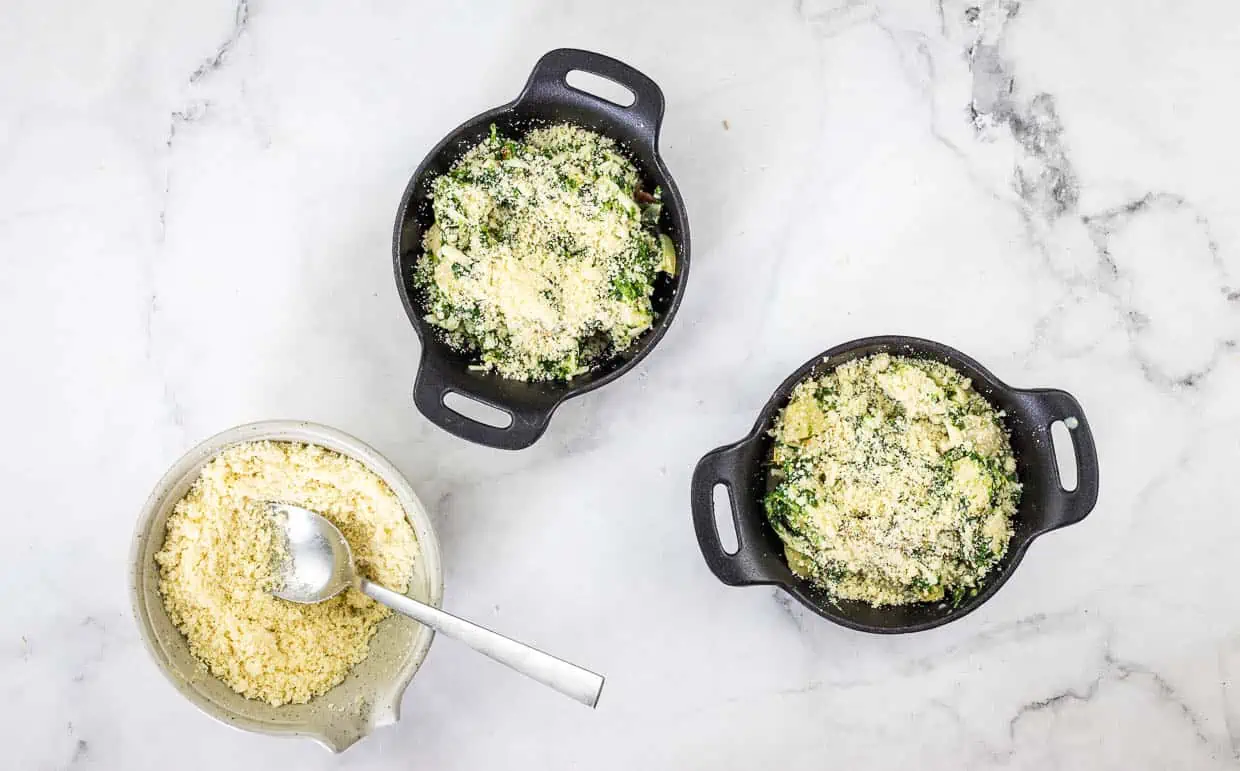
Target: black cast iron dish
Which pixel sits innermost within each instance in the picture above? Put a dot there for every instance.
(547, 98)
(1044, 504)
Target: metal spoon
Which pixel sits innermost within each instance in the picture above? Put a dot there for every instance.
(317, 565)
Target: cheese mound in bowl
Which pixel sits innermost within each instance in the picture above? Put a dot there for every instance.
(893, 482)
(544, 253)
(216, 563)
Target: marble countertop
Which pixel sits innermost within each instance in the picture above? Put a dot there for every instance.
(196, 202)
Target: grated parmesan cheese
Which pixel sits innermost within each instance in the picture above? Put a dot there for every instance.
(895, 482)
(541, 260)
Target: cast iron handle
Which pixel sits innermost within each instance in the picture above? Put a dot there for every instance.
(547, 82)
(1066, 507)
(433, 385)
(726, 466)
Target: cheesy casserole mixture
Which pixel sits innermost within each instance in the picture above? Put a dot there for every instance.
(544, 253)
(893, 482)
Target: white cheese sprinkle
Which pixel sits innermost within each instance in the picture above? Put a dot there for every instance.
(541, 260)
(895, 482)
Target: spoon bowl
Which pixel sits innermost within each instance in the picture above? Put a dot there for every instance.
(315, 562)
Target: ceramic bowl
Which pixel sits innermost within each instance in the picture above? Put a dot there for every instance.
(369, 697)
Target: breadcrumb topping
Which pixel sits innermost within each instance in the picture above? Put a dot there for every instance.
(895, 482)
(216, 568)
(544, 252)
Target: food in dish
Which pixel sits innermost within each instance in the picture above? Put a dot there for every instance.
(544, 253)
(216, 568)
(893, 481)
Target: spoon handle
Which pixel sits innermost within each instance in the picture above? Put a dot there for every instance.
(569, 679)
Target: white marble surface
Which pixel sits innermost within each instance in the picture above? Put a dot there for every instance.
(196, 201)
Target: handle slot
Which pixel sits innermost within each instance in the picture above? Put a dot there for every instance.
(1065, 454)
(600, 87)
(725, 518)
(476, 410)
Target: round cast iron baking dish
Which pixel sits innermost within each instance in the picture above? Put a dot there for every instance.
(546, 98)
(1044, 505)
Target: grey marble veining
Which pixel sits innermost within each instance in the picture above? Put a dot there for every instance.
(196, 203)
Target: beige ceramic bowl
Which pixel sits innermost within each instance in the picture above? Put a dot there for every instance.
(370, 696)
